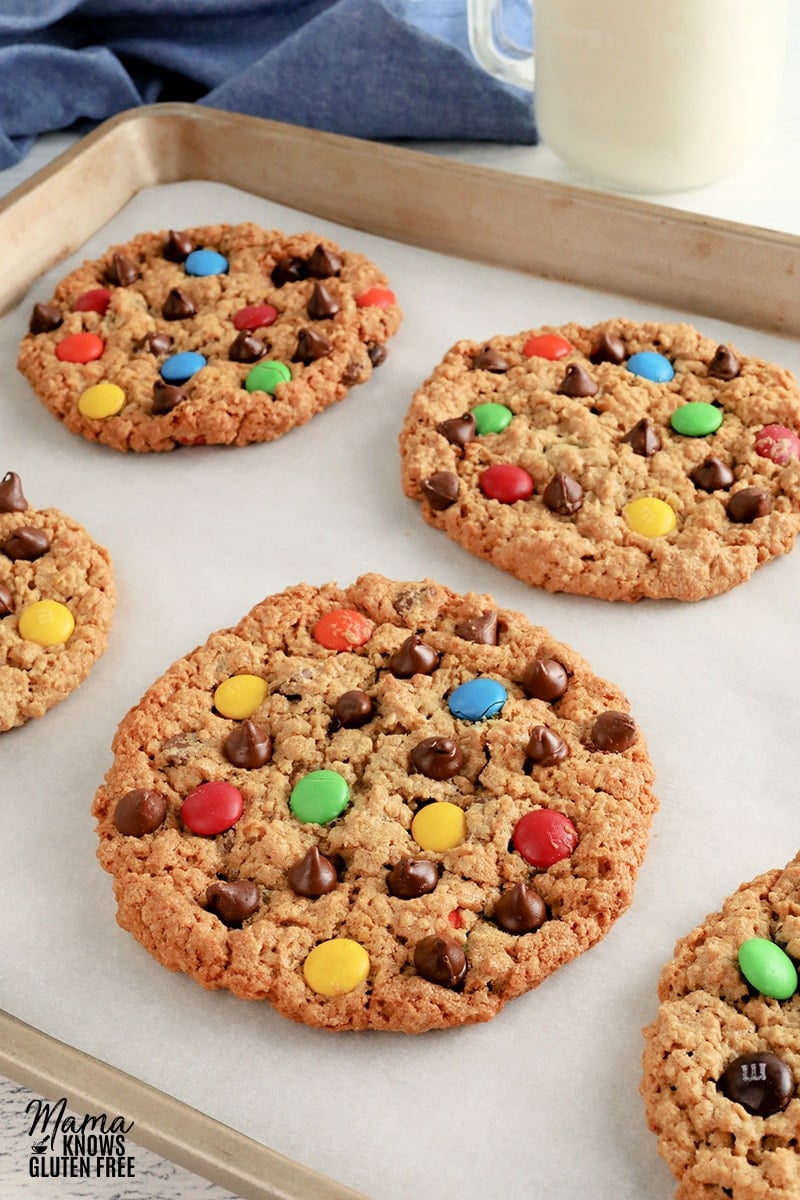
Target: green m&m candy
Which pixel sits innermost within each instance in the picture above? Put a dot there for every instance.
(266, 376)
(491, 418)
(768, 968)
(319, 797)
(696, 419)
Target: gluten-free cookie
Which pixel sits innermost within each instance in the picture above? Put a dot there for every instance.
(218, 335)
(620, 461)
(387, 806)
(56, 605)
(722, 1058)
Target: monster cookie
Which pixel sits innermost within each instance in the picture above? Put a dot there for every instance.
(619, 461)
(56, 605)
(226, 334)
(722, 1058)
(387, 807)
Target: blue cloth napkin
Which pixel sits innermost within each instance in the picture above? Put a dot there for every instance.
(381, 69)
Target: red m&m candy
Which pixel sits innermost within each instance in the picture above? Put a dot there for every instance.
(376, 297)
(778, 444)
(80, 348)
(342, 629)
(255, 316)
(97, 300)
(547, 345)
(212, 808)
(506, 482)
(544, 837)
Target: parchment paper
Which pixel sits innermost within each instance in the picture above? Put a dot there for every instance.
(543, 1101)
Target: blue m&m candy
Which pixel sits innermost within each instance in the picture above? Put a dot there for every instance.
(477, 699)
(649, 365)
(180, 367)
(206, 262)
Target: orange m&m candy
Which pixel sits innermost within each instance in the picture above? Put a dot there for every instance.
(376, 297)
(547, 345)
(80, 348)
(342, 629)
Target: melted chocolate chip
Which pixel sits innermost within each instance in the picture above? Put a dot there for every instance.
(481, 629)
(489, 359)
(166, 396)
(313, 875)
(724, 365)
(412, 877)
(643, 439)
(748, 505)
(610, 349)
(11, 497)
(713, 475)
(288, 270)
(437, 758)
(177, 247)
(413, 658)
(440, 489)
(377, 353)
(312, 346)
(440, 959)
(159, 343)
(26, 544)
(520, 910)
(248, 746)
(613, 732)
(177, 306)
(246, 348)
(762, 1083)
(324, 263)
(563, 495)
(545, 679)
(123, 271)
(139, 812)
(45, 318)
(322, 303)
(6, 601)
(353, 709)
(233, 902)
(546, 748)
(577, 382)
(458, 430)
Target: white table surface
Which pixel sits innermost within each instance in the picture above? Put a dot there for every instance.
(764, 192)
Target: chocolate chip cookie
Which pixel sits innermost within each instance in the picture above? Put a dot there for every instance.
(387, 806)
(619, 461)
(225, 334)
(56, 605)
(722, 1058)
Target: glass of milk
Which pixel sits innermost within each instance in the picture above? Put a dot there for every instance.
(648, 95)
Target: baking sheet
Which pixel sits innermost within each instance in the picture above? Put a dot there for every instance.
(544, 1099)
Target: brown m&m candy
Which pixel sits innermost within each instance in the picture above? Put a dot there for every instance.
(762, 1083)
(440, 959)
(437, 758)
(139, 812)
(233, 902)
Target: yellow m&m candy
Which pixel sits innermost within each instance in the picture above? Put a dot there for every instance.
(101, 400)
(336, 967)
(47, 623)
(439, 826)
(650, 517)
(240, 696)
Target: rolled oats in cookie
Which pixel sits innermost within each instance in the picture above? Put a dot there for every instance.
(620, 461)
(721, 1064)
(386, 806)
(56, 605)
(216, 335)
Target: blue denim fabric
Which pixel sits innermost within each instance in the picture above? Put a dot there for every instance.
(367, 68)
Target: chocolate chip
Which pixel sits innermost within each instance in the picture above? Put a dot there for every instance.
(353, 709)
(577, 382)
(324, 262)
(45, 318)
(413, 658)
(246, 348)
(563, 495)
(724, 365)
(177, 247)
(159, 343)
(613, 732)
(441, 960)
(11, 497)
(377, 353)
(748, 505)
(26, 544)
(545, 679)
(437, 758)
(312, 875)
(440, 489)
(6, 601)
(520, 910)
(233, 902)
(312, 346)
(458, 430)
(166, 396)
(762, 1083)
(139, 812)
(610, 349)
(322, 303)
(489, 359)
(412, 877)
(288, 270)
(177, 306)
(643, 439)
(352, 372)
(546, 748)
(713, 475)
(123, 271)
(481, 629)
(248, 746)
